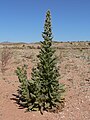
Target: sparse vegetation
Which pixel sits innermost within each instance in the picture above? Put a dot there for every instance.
(31, 47)
(6, 55)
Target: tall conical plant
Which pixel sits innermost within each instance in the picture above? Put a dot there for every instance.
(43, 91)
(48, 92)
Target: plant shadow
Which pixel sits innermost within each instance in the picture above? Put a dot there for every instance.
(17, 99)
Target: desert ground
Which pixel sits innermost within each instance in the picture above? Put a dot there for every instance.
(74, 66)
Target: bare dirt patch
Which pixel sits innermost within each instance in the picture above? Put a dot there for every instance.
(74, 67)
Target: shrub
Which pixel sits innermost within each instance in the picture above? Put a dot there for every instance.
(38, 47)
(88, 43)
(6, 55)
(31, 47)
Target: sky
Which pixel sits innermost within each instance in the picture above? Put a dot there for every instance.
(23, 20)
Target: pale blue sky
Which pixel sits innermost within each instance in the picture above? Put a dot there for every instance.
(23, 20)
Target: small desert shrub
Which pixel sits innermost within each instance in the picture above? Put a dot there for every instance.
(6, 55)
(71, 43)
(89, 43)
(31, 47)
(81, 50)
(23, 46)
(38, 47)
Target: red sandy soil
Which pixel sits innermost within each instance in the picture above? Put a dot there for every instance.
(75, 74)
